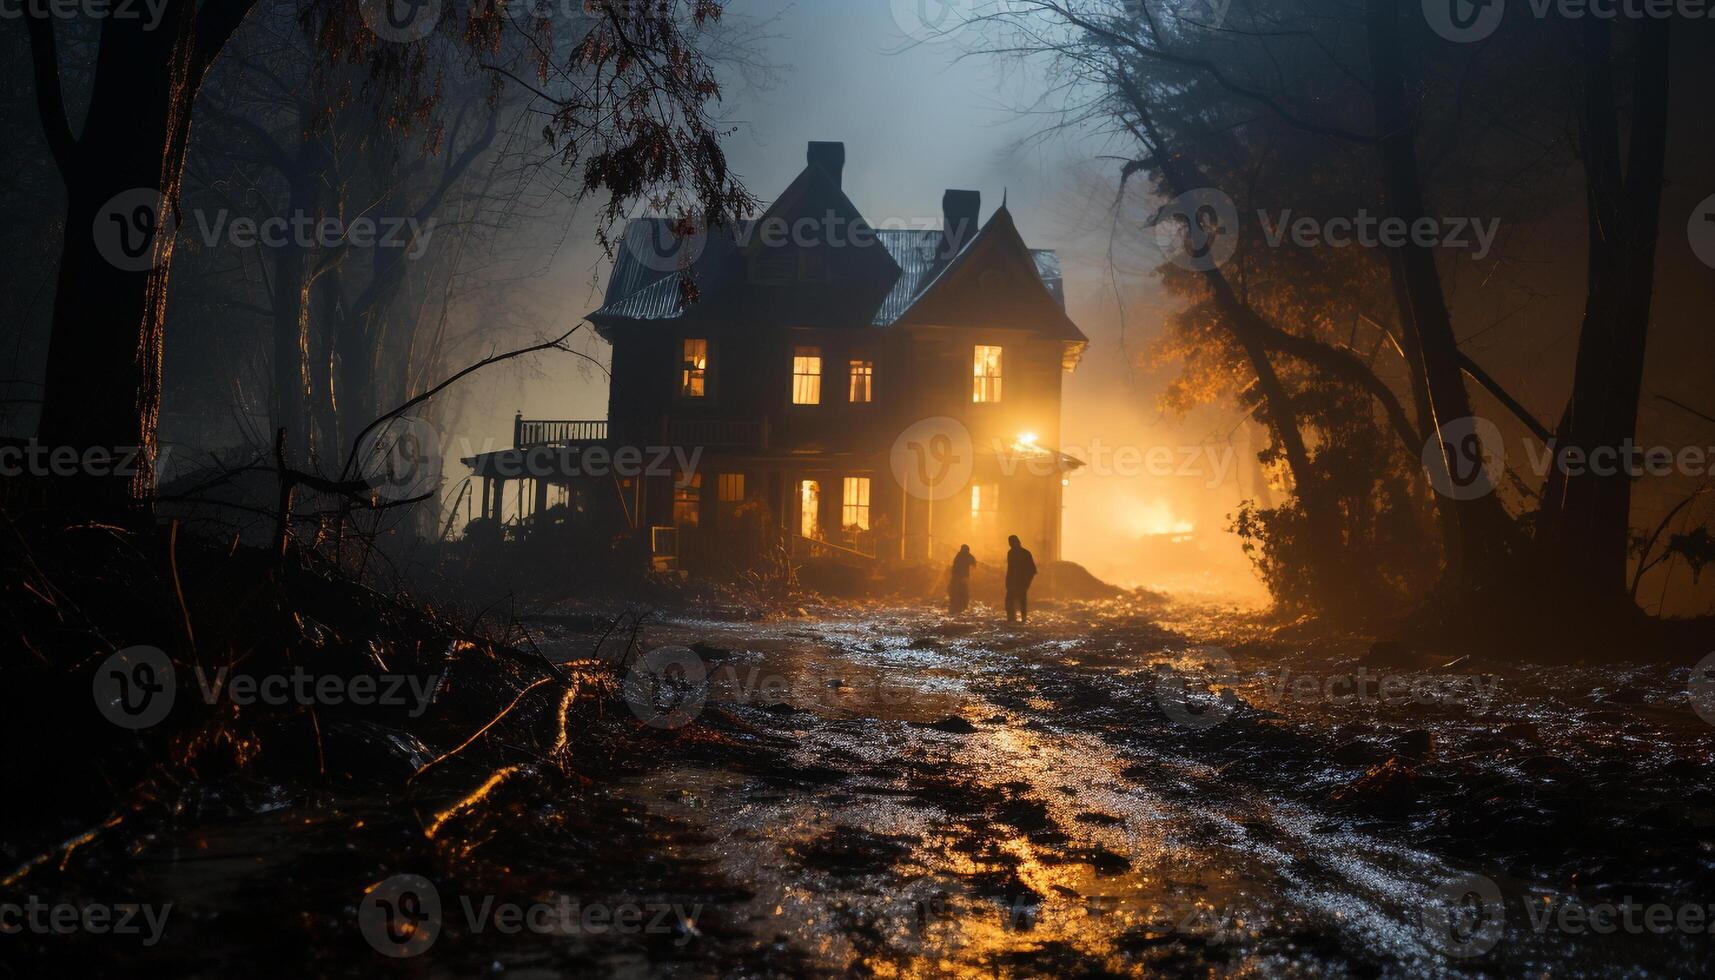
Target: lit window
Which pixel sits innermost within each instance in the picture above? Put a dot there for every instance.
(863, 378)
(809, 509)
(985, 374)
(731, 488)
(694, 369)
(688, 500)
(985, 506)
(807, 376)
(854, 509)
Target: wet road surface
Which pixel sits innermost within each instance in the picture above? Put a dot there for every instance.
(927, 796)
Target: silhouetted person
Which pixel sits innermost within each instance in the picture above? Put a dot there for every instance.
(959, 585)
(1020, 569)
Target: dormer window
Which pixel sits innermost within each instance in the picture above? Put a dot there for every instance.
(806, 376)
(694, 368)
(985, 374)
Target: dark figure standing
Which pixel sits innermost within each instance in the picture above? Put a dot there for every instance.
(959, 586)
(1020, 569)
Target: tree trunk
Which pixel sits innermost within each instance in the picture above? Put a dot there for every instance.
(1476, 560)
(102, 385)
(1589, 512)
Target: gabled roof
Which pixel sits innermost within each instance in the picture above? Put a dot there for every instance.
(993, 281)
(894, 276)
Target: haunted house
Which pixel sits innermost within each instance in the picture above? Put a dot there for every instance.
(857, 392)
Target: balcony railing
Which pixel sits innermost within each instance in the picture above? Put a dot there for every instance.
(718, 432)
(556, 432)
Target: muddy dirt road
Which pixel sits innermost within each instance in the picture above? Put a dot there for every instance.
(899, 793)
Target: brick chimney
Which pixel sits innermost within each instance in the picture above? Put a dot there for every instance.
(959, 211)
(831, 157)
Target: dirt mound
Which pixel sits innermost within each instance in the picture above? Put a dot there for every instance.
(1070, 580)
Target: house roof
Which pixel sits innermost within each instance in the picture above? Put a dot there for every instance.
(903, 276)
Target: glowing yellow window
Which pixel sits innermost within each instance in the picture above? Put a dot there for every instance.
(854, 506)
(694, 369)
(688, 500)
(863, 380)
(809, 508)
(985, 507)
(985, 374)
(807, 376)
(731, 488)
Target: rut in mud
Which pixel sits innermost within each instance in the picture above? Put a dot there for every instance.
(901, 793)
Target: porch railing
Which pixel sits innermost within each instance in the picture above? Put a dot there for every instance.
(556, 432)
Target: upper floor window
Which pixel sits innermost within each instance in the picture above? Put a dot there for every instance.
(694, 369)
(806, 376)
(863, 380)
(731, 488)
(985, 374)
